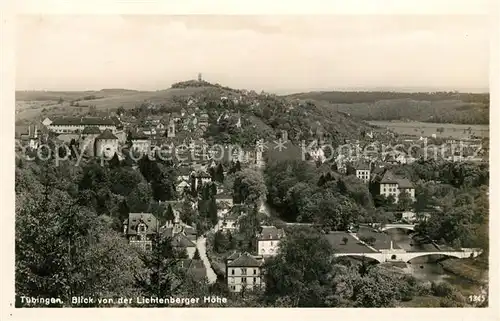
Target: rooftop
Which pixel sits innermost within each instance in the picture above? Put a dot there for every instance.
(134, 219)
(270, 233)
(107, 134)
(181, 240)
(85, 121)
(361, 165)
(245, 260)
(195, 268)
(390, 178)
(91, 130)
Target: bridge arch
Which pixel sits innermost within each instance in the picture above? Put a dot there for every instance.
(408, 259)
(375, 258)
(407, 227)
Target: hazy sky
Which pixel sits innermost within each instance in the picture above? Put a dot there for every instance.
(274, 53)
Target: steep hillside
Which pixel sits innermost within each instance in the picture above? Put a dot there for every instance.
(439, 107)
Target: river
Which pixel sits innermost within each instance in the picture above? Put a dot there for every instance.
(426, 268)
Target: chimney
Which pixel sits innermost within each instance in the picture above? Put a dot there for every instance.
(36, 131)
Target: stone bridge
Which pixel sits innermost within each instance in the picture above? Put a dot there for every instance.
(401, 226)
(398, 255)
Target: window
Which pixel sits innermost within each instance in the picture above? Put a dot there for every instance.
(272, 243)
(233, 287)
(254, 271)
(243, 280)
(232, 280)
(254, 280)
(141, 228)
(232, 271)
(243, 271)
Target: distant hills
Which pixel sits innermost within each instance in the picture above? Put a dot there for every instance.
(261, 114)
(439, 107)
(334, 115)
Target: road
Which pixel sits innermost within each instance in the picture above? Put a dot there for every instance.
(201, 245)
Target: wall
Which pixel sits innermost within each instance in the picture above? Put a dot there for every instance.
(268, 247)
(236, 280)
(106, 147)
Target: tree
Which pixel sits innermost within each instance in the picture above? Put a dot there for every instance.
(76, 254)
(249, 186)
(170, 216)
(187, 213)
(370, 240)
(345, 240)
(300, 273)
(196, 255)
(138, 200)
(405, 202)
(212, 212)
(120, 111)
(114, 162)
(219, 173)
(123, 180)
(249, 227)
(222, 242)
(164, 277)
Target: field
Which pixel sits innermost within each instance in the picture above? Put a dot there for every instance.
(31, 105)
(456, 131)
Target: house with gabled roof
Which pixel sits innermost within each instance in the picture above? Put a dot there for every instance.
(268, 240)
(140, 142)
(228, 220)
(140, 229)
(106, 144)
(361, 169)
(393, 185)
(77, 124)
(194, 268)
(244, 272)
(182, 241)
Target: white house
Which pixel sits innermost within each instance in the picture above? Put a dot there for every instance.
(106, 144)
(268, 240)
(140, 143)
(391, 185)
(66, 125)
(361, 170)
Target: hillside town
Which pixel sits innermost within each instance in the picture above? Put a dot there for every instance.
(199, 183)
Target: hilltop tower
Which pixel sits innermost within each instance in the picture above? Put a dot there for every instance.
(199, 77)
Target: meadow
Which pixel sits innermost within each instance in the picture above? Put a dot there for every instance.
(456, 131)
